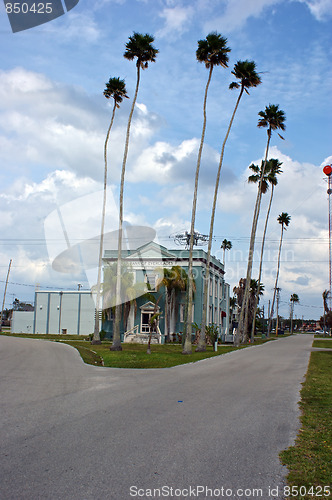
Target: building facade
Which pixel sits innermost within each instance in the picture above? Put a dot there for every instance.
(147, 296)
(64, 312)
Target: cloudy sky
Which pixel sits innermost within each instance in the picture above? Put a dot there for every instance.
(54, 118)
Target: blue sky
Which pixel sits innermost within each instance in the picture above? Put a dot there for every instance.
(54, 117)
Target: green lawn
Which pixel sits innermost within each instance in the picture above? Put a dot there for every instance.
(323, 343)
(309, 461)
(135, 355)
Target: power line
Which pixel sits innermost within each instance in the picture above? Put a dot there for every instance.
(41, 286)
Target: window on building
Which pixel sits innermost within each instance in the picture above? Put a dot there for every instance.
(210, 314)
(216, 289)
(216, 315)
(182, 306)
(150, 280)
(182, 313)
(211, 287)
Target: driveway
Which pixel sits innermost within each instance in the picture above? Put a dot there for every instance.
(211, 429)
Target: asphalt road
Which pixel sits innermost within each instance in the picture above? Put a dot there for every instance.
(212, 429)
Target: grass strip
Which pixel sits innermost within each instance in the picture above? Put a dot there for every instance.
(309, 460)
(89, 355)
(135, 355)
(322, 343)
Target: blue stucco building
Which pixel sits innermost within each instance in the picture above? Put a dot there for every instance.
(144, 266)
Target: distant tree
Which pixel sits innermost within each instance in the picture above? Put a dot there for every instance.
(273, 119)
(232, 305)
(226, 245)
(18, 305)
(272, 169)
(326, 321)
(284, 220)
(293, 300)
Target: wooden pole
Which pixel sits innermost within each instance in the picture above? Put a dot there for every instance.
(4, 295)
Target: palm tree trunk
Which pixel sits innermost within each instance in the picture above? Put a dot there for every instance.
(241, 334)
(166, 315)
(276, 283)
(187, 347)
(96, 335)
(291, 321)
(202, 343)
(261, 265)
(116, 344)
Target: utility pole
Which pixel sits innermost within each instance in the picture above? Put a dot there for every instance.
(278, 297)
(328, 171)
(4, 295)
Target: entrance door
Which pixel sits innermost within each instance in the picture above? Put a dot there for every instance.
(145, 321)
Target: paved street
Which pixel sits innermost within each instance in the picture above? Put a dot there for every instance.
(73, 431)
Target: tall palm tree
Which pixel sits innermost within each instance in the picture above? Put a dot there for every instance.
(226, 245)
(272, 169)
(115, 88)
(294, 300)
(245, 72)
(140, 48)
(273, 119)
(284, 221)
(212, 51)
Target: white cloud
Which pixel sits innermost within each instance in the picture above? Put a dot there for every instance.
(301, 192)
(177, 20)
(43, 123)
(320, 9)
(75, 26)
(237, 12)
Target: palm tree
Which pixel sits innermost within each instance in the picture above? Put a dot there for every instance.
(326, 295)
(140, 48)
(256, 176)
(245, 72)
(232, 305)
(129, 290)
(254, 289)
(273, 119)
(272, 169)
(294, 299)
(284, 221)
(174, 280)
(115, 88)
(212, 51)
(226, 245)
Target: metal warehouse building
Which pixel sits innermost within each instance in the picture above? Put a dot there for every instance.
(59, 312)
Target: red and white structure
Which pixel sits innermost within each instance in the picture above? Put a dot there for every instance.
(328, 172)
